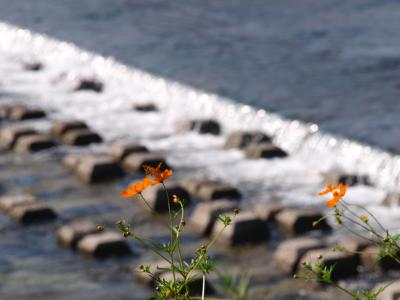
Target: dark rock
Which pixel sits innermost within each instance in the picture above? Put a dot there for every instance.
(5, 110)
(89, 84)
(205, 214)
(289, 253)
(335, 177)
(9, 202)
(71, 234)
(146, 107)
(298, 221)
(241, 139)
(32, 213)
(265, 150)
(81, 137)
(207, 126)
(345, 264)
(10, 135)
(103, 245)
(213, 190)
(21, 113)
(134, 162)
(121, 151)
(371, 259)
(94, 169)
(60, 128)
(157, 199)
(32, 66)
(33, 143)
(246, 228)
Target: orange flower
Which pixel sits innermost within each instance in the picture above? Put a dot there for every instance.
(136, 188)
(162, 176)
(338, 191)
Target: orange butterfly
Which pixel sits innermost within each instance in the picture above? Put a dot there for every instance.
(151, 170)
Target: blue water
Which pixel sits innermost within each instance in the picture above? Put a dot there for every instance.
(335, 63)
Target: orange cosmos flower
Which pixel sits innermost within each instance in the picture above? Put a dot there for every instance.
(162, 176)
(136, 188)
(338, 191)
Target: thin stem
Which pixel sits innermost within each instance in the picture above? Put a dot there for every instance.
(145, 201)
(204, 287)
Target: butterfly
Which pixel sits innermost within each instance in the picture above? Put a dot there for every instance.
(151, 170)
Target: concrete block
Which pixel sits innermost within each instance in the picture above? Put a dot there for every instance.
(9, 202)
(33, 143)
(335, 177)
(241, 139)
(268, 211)
(298, 221)
(391, 290)
(266, 150)
(32, 213)
(23, 113)
(246, 228)
(134, 162)
(370, 260)
(145, 107)
(88, 84)
(289, 252)
(157, 199)
(70, 234)
(206, 126)
(94, 169)
(121, 151)
(205, 214)
(195, 286)
(103, 245)
(345, 263)
(10, 135)
(213, 190)
(58, 129)
(81, 137)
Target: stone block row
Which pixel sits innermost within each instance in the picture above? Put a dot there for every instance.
(74, 133)
(26, 209)
(255, 145)
(20, 112)
(84, 237)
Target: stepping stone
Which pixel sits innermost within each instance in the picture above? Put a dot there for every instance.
(32, 66)
(345, 264)
(121, 151)
(213, 190)
(246, 228)
(391, 290)
(5, 110)
(81, 137)
(33, 143)
(103, 245)
(241, 139)
(9, 202)
(391, 200)
(265, 150)
(154, 267)
(23, 113)
(195, 286)
(88, 84)
(371, 260)
(206, 126)
(10, 135)
(205, 214)
(94, 169)
(32, 213)
(335, 177)
(157, 199)
(293, 222)
(71, 161)
(70, 234)
(289, 252)
(60, 128)
(134, 162)
(267, 212)
(146, 107)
